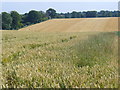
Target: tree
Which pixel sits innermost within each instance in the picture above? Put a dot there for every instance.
(60, 15)
(16, 20)
(74, 14)
(83, 14)
(34, 17)
(43, 16)
(24, 21)
(51, 13)
(68, 15)
(0, 21)
(79, 15)
(108, 13)
(103, 13)
(115, 13)
(91, 13)
(6, 21)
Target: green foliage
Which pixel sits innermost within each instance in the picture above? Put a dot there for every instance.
(91, 13)
(75, 14)
(33, 17)
(51, 13)
(6, 20)
(16, 20)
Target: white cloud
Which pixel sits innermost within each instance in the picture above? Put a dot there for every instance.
(60, 0)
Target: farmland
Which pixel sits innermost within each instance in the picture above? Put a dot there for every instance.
(61, 56)
(75, 25)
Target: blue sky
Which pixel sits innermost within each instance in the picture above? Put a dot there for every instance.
(23, 7)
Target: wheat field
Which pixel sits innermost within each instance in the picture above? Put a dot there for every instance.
(75, 25)
(34, 58)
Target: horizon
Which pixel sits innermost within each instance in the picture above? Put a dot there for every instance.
(60, 7)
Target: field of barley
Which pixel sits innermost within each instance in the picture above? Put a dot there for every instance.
(34, 59)
(75, 25)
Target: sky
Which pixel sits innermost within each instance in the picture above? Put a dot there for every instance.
(68, 6)
(59, 0)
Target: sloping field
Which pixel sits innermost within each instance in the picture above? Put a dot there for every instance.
(76, 25)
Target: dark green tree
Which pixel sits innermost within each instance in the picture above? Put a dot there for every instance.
(16, 20)
(0, 21)
(33, 17)
(79, 15)
(43, 16)
(83, 14)
(74, 14)
(91, 13)
(6, 21)
(118, 13)
(51, 13)
(24, 17)
(68, 15)
(60, 15)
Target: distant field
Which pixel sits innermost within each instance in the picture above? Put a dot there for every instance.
(76, 25)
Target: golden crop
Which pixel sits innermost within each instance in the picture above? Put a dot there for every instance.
(59, 60)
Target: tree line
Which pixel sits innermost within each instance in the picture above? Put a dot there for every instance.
(14, 20)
